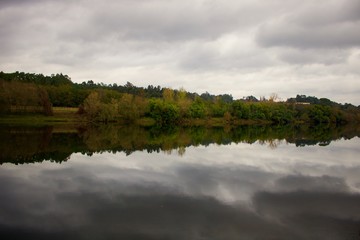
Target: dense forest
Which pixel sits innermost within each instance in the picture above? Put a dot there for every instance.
(29, 93)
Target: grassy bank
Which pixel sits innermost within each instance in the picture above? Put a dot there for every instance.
(62, 115)
(221, 122)
(69, 116)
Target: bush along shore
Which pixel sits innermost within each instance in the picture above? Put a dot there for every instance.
(35, 98)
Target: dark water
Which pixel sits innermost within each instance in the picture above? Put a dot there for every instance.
(130, 183)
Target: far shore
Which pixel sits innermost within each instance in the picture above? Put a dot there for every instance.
(70, 116)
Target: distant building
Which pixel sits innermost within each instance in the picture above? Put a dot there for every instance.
(302, 103)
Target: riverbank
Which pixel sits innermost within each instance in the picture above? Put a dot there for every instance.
(76, 119)
(61, 115)
(70, 116)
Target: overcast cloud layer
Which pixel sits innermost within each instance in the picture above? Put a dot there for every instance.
(245, 47)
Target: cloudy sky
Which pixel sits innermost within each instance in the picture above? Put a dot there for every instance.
(240, 47)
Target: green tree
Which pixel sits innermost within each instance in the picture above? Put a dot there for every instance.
(44, 101)
(20, 97)
(240, 110)
(197, 109)
(164, 113)
(98, 107)
(279, 113)
(92, 106)
(168, 94)
(258, 111)
(320, 114)
(183, 102)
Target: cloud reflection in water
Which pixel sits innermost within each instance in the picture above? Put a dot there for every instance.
(226, 192)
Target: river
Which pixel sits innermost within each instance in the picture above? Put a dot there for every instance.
(132, 183)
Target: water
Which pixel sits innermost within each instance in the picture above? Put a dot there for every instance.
(135, 184)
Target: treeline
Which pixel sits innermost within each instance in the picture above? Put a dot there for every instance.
(24, 97)
(26, 92)
(64, 93)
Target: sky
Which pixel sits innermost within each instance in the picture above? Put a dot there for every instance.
(238, 47)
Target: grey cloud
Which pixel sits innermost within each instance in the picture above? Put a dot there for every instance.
(239, 182)
(78, 204)
(308, 183)
(75, 203)
(283, 205)
(310, 56)
(205, 56)
(31, 29)
(351, 9)
(150, 21)
(163, 21)
(327, 13)
(317, 26)
(210, 60)
(10, 3)
(155, 217)
(290, 35)
(313, 214)
(173, 43)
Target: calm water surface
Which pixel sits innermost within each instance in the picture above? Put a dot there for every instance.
(234, 191)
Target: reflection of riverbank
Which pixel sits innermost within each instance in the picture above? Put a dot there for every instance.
(57, 143)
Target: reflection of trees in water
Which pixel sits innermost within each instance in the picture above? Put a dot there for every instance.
(24, 145)
(16, 143)
(36, 144)
(271, 143)
(181, 150)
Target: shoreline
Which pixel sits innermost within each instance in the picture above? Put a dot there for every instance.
(70, 116)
